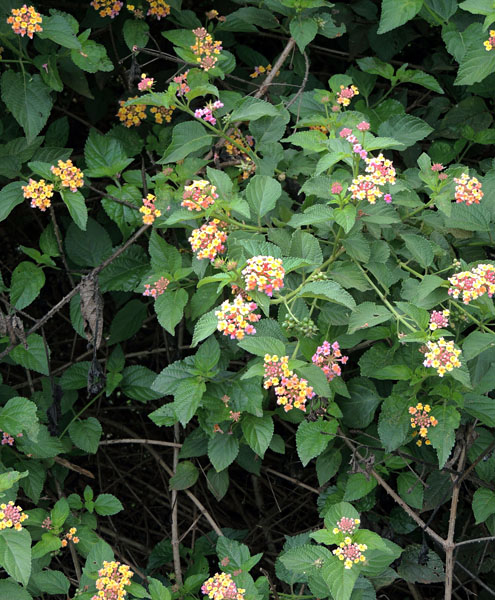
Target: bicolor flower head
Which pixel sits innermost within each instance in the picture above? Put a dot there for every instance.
(468, 190)
(441, 355)
(205, 49)
(146, 83)
(222, 587)
(439, 319)
(327, 357)
(209, 240)
(25, 21)
(421, 421)
(39, 192)
(158, 9)
(490, 42)
(70, 176)
(350, 552)
(11, 516)
(157, 288)
(199, 195)
(107, 8)
(291, 391)
(112, 580)
(235, 319)
(470, 285)
(264, 273)
(346, 94)
(148, 210)
(161, 113)
(346, 525)
(131, 116)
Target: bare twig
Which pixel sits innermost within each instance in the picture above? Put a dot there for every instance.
(276, 67)
(303, 84)
(476, 541)
(175, 513)
(140, 441)
(291, 479)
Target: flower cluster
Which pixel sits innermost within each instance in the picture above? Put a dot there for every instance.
(146, 83)
(157, 288)
(47, 524)
(321, 128)
(181, 80)
(7, 439)
(381, 170)
(131, 116)
(438, 319)
(489, 44)
(205, 49)
(70, 536)
(291, 391)
(328, 357)
(137, 12)
(235, 318)
(162, 114)
(473, 284)
(39, 192)
(199, 195)
(422, 420)
(158, 9)
(467, 190)
(11, 516)
(222, 587)
(112, 579)
(148, 210)
(70, 176)
(25, 20)
(442, 356)
(206, 113)
(260, 70)
(247, 164)
(346, 94)
(209, 240)
(346, 525)
(107, 8)
(363, 187)
(265, 273)
(352, 139)
(350, 552)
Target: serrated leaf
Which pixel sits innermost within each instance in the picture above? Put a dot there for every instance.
(262, 193)
(187, 398)
(26, 283)
(419, 247)
(137, 383)
(394, 422)
(328, 290)
(368, 314)
(222, 450)
(34, 357)
(86, 434)
(303, 30)
(483, 504)
(341, 581)
(406, 129)
(261, 345)
(393, 17)
(305, 558)
(169, 308)
(10, 196)
(185, 476)
(442, 436)
(76, 206)
(15, 554)
(205, 326)
(187, 137)
(258, 432)
(312, 437)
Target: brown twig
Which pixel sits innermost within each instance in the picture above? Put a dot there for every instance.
(140, 441)
(276, 67)
(476, 541)
(303, 84)
(175, 513)
(291, 479)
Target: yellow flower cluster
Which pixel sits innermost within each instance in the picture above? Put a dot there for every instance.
(148, 210)
(39, 192)
(162, 114)
(70, 536)
(70, 176)
(260, 70)
(489, 44)
(112, 579)
(137, 12)
(291, 391)
(346, 94)
(25, 20)
(205, 49)
(442, 356)
(422, 420)
(235, 318)
(468, 190)
(199, 195)
(209, 240)
(473, 284)
(158, 9)
(11, 516)
(132, 115)
(351, 553)
(222, 587)
(107, 8)
(265, 273)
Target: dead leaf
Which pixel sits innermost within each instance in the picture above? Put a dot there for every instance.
(92, 310)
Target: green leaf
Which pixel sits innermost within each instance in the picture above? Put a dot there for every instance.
(34, 357)
(476, 64)
(28, 99)
(222, 450)
(86, 434)
(476, 343)
(90, 247)
(10, 196)
(51, 582)
(406, 129)
(261, 345)
(135, 33)
(368, 314)
(328, 290)
(303, 31)
(107, 504)
(358, 485)
(187, 398)
(218, 483)
(49, 543)
(13, 591)
(136, 383)
(258, 432)
(19, 415)
(26, 283)
(92, 58)
(126, 272)
(410, 489)
(420, 78)
(250, 109)
(419, 247)
(158, 591)
(127, 322)
(483, 504)
(58, 29)
(205, 326)
(185, 476)
(478, 7)
(187, 137)
(305, 559)
(169, 308)
(359, 408)
(262, 194)
(393, 16)
(15, 554)
(77, 207)
(341, 581)
(312, 437)
(105, 155)
(305, 245)
(375, 66)
(442, 436)
(394, 421)
(164, 257)
(345, 217)
(59, 513)
(8, 479)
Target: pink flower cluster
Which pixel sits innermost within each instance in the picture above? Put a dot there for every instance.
(235, 318)
(157, 288)
(7, 439)
(346, 525)
(346, 94)
(439, 320)
(209, 240)
(199, 195)
(205, 49)
(468, 190)
(351, 553)
(328, 357)
(347, 134)
(265, 273)
(182, 81)
(442, 356)
(222, 587)
(473, 284)
(146, 83)
(291, 390)
(206, 113)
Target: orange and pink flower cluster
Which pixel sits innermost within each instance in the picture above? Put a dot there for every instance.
(209, 240)
(346, 94)
(264, 273)
(439, 320)
(222, 587)
(148, 210)
(205, 49)
(489, 44)
(468, 190)
(421, 421)
(39, 192)
(442, 356)
(157, 288)
(25, 21)
(291, 391)
(348, 551)
(327, 357)
(473, 284)
(131, 116)
(107, 8)
(111, 582)
(70, 176)
(235, 319)
(200, 195)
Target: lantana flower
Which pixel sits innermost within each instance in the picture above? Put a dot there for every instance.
(157, 288)
(346, 525)
(235, 319)
(327, 357)
(11, 516)
(489, 44)
(199, 195)
(291, 391)
(346, 94)
(442, 355)
(205, 49)
(39, 192)
(473, 284)
(222, 587)
(148, 210)
(107, 8)
(264, 273)
(70, 175)
(158, 9)
(209, 240)
(439, 320)
(350, 552)
(25, 21)
(131, 116)
(468, 190)
(421, 421)
(112, 580)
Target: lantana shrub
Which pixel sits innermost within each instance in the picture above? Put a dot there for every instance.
(247, 320)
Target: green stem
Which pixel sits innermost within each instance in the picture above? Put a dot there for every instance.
(234, 222)
(435, 16)
(420, 208)
(90, 403)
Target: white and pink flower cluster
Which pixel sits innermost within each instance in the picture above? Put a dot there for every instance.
(206, 113)
(327, 357)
